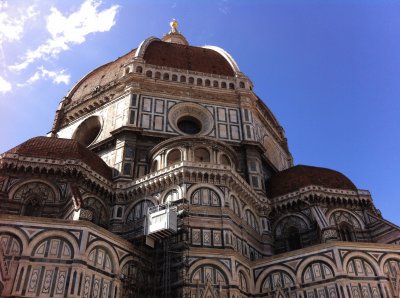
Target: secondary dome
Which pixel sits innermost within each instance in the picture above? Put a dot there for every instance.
(300, 176)
(57, 148)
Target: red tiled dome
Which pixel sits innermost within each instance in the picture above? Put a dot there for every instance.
(187, 57)
(159, 53)
(300, 176)
(56, 148)
(100, 76)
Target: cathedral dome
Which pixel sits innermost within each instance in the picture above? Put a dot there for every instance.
(187, 57)
(300, 176)
(64, 149)
(208, 59)
(101, 76)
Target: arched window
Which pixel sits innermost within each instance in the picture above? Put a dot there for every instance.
(317, 271)
(235, 206)
(174, 77)
(101, 259)
(346, 232)
(293, 238)
(207, 83)
(119, 212)
(127, 70)
(251, 220)
(154, 166)
(199, 82)
(277, 280)
(205, 197)
(201, 155)
(12, 245)
(99, 213)
(88, 130)
(392, 267)
(33, 207)
(215, 84)
(174, 156)
(127, 169)
(211, 273)
(139, 211)
(158, 75)
(360, 267)
(242, 282)
(223, 85)
(224, 160)
(231, 86)
(183, 79)
(191, 80)
(341, 216)
(139, 69)
(149, 73)
(166, 76)
(171, 196)
(241, 85)
(53, 247)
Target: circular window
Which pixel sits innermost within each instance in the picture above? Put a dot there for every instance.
(88, 131)
(189, 125)
(190, 119)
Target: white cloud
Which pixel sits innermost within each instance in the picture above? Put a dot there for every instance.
(223, 7)
(57, 77)
(12, 28)
(5, 86)
(3, 4)
(69, 30)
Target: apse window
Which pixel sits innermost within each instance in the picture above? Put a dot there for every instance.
(88, 131)
(189, 125)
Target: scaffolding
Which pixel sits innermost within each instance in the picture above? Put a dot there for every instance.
(171, 259)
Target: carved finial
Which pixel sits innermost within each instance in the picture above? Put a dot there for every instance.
(174, 26)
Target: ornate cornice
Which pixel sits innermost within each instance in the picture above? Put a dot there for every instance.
(317, 194)
(194, 172)
(63, 167)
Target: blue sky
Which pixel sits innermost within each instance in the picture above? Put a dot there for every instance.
(329, 70)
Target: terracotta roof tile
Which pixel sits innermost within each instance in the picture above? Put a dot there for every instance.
(300, 176)
(57, 148)
(187, 57)
(101, 76)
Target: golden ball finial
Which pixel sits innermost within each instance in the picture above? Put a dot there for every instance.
(174, 25)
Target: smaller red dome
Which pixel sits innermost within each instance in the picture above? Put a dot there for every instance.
(300, 176)
(57, 148)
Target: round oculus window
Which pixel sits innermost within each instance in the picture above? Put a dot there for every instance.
(189, 125)
(190, 119)
(88, 131)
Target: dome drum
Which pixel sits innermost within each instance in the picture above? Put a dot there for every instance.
(186, 77)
